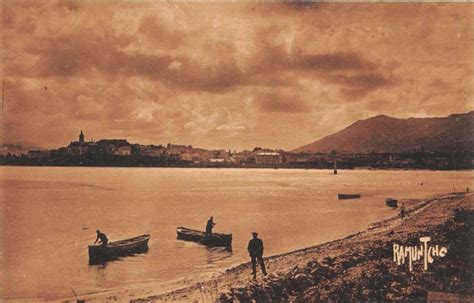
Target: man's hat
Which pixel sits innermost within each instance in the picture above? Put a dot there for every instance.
(254, 233)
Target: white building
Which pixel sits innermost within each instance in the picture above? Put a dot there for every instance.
(268, 158)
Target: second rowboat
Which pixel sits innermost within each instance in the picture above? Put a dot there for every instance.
(212, 240)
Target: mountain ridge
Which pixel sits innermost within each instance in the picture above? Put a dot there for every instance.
(382, 133)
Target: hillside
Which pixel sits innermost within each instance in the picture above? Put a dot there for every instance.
(386, 134)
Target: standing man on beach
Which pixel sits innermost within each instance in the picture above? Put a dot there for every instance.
(255, 249)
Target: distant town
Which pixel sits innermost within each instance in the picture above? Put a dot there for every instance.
(121, 153)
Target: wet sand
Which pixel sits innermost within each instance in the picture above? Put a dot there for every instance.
(359, 265)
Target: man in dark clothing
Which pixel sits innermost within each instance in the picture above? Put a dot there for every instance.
(102, 238)
(209, 226)
(403, 211)
(255, 249)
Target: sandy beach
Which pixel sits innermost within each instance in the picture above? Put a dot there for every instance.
(360, 266)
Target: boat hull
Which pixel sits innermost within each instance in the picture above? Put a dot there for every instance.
(114, 250)
(214, 240)
(391, 202)
(348, 196)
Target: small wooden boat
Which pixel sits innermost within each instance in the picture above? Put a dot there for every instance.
(214, 240)
(117, 249)
(391, 202)
(348, 196)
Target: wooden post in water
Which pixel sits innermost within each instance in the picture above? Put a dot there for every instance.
(335, 166)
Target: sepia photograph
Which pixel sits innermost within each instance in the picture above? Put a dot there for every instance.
(236, 151)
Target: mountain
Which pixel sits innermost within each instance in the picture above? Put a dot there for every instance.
(386, 134)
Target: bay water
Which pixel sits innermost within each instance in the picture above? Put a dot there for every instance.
(49, 216)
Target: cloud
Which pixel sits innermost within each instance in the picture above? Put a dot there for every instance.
(84, 53)
(221, 75)
(281, 103)
(166, 35)
(227, 127)
(175, 65)
(115, 54)
(361, 84)
(339, 61)
(72, 5)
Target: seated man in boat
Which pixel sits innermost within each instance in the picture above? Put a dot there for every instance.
(209, 226)
(102, 238)
(255, 249)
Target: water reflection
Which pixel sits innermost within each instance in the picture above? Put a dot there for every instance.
(217, 254)
(102, 261)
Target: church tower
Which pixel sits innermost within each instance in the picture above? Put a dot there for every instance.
(81, 137)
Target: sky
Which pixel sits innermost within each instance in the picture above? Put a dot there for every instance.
(226, 75)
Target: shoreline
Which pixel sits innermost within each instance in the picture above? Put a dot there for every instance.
(236, 284)
(236, 281)
(361, 168)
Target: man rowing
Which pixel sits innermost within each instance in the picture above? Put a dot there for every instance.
(101, 238)
(209, 226)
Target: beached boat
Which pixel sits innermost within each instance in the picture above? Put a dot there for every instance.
(214, 240)
(117, 249)
(348, 196)
(391, 202)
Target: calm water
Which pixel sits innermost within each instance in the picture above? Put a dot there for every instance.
(49, 216)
